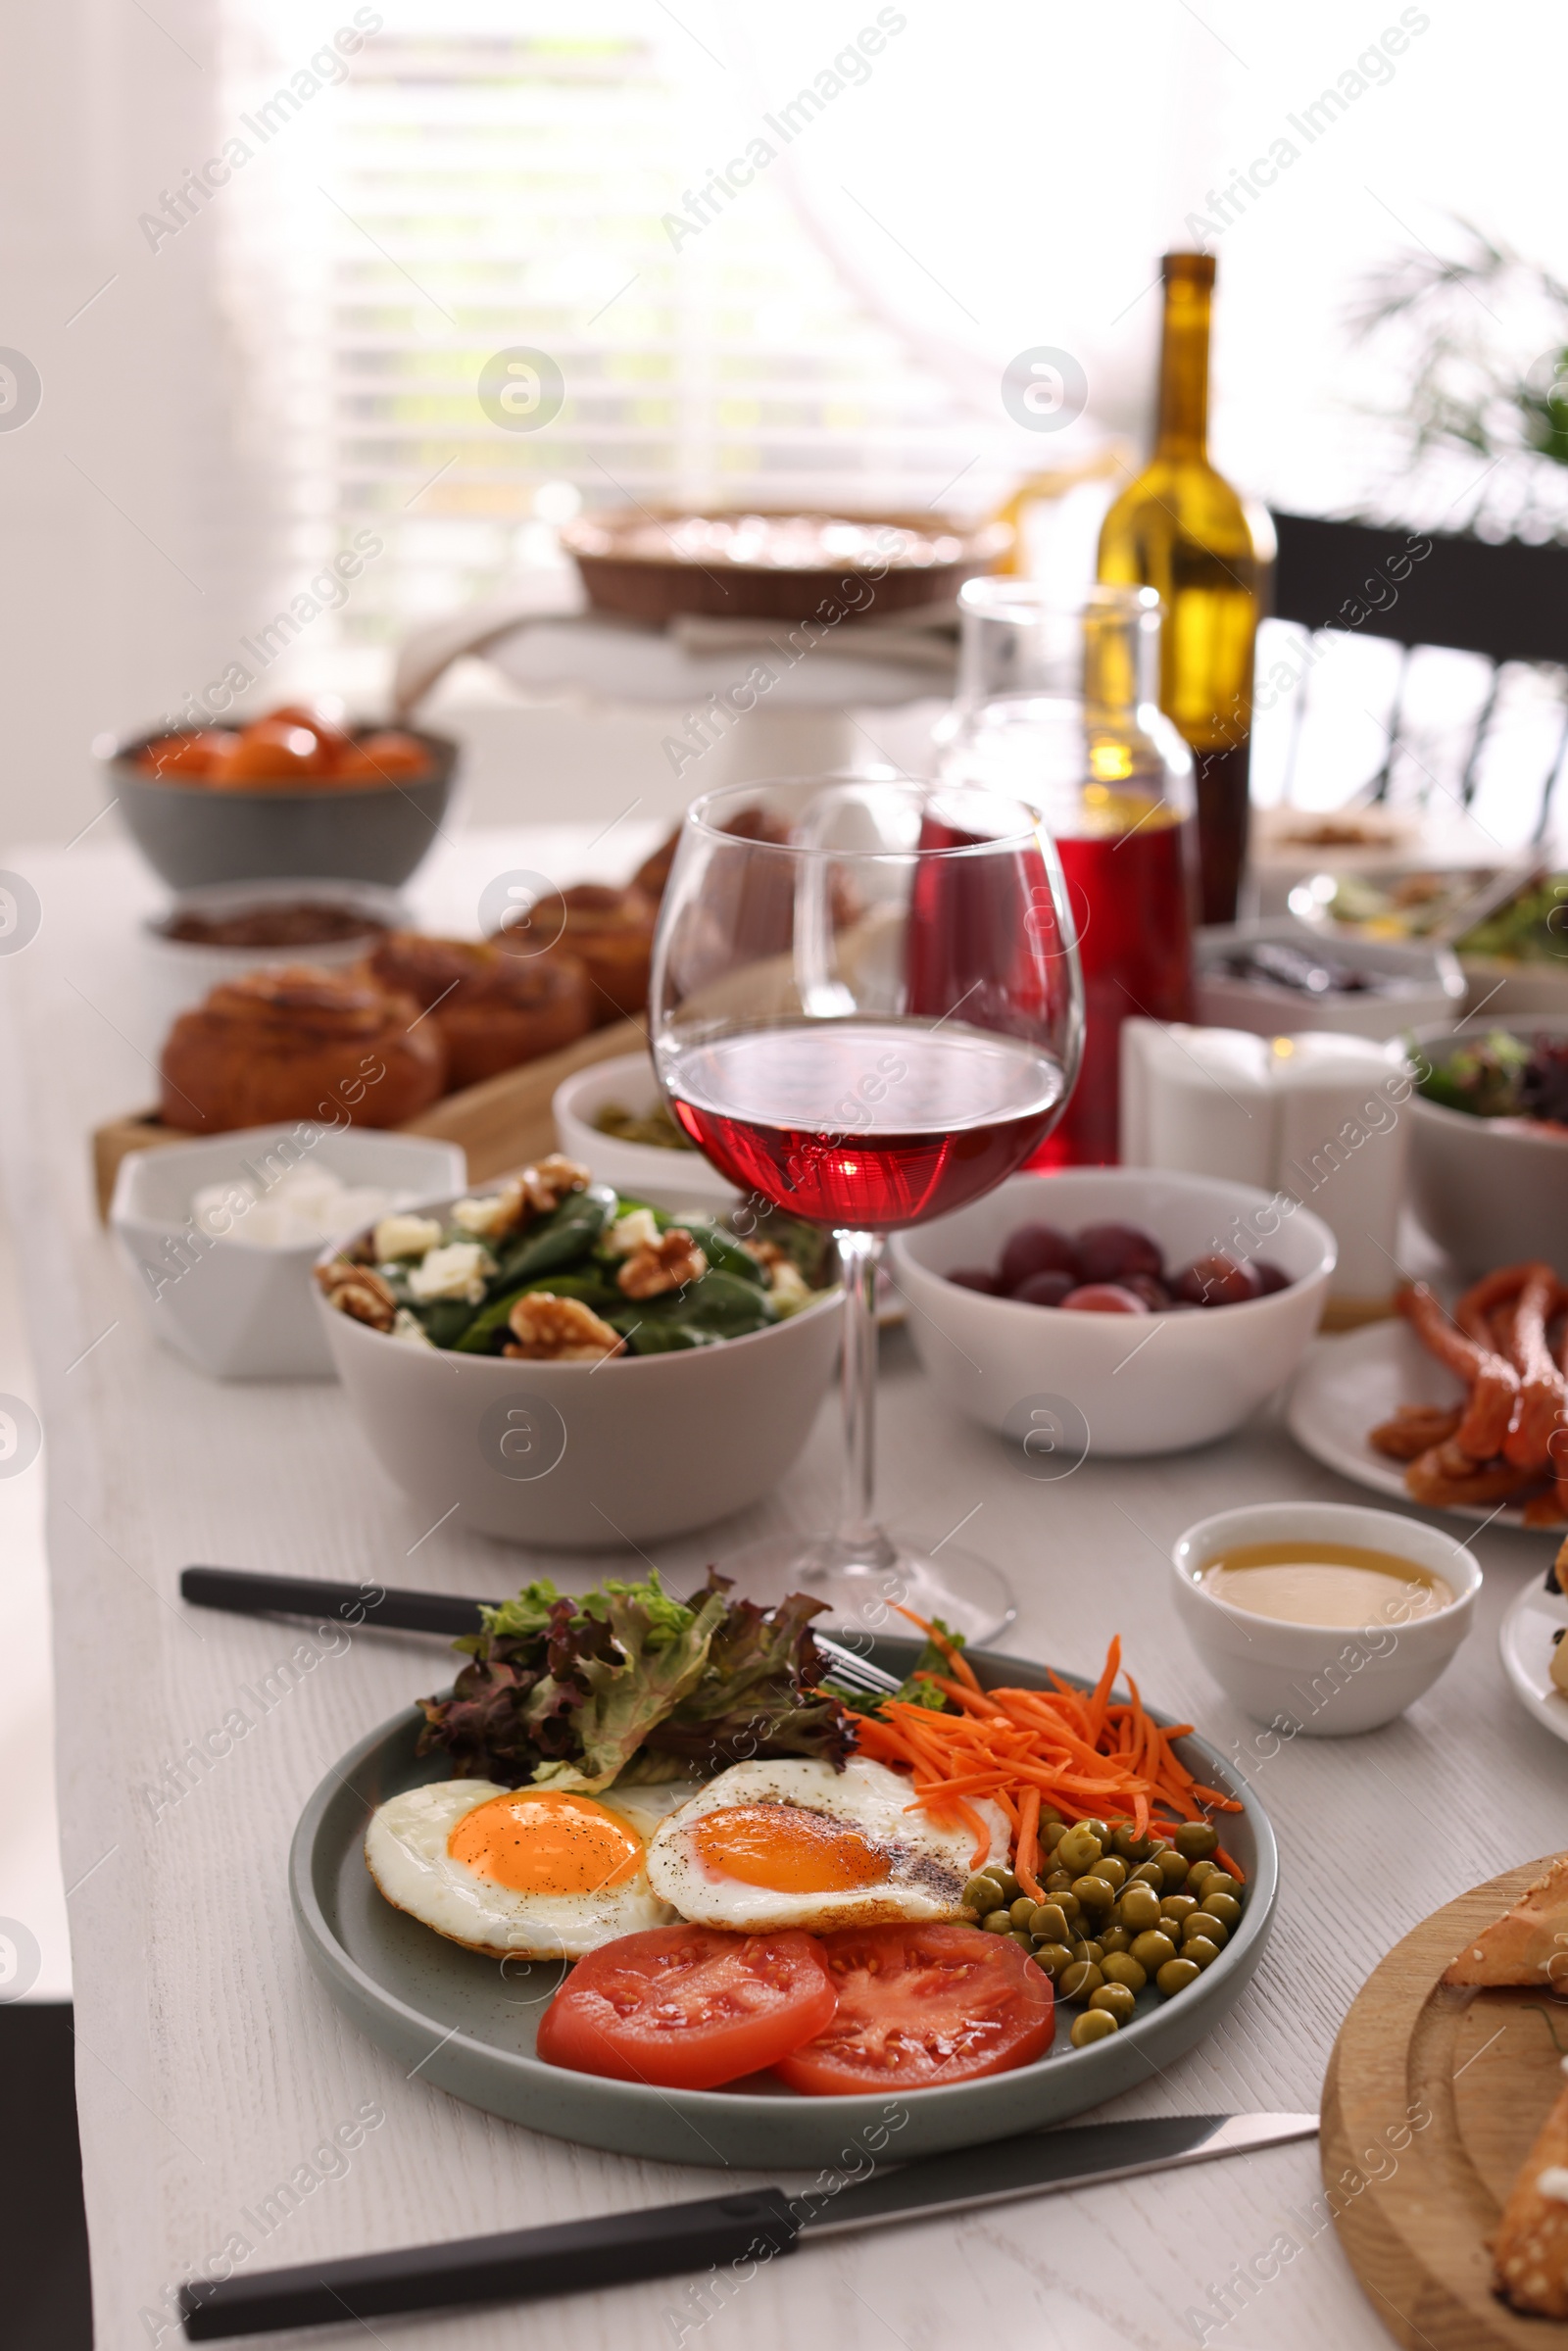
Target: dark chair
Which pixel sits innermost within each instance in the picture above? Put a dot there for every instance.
(1507, 602)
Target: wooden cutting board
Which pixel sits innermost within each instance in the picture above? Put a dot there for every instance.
(1484, 2069)
(501, 1123)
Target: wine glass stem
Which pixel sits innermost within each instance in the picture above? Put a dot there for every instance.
(857, 1532)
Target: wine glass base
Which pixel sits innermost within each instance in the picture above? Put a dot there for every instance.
(863, 1596)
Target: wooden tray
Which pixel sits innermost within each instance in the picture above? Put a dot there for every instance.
(1485, 2066)
(501, 1123)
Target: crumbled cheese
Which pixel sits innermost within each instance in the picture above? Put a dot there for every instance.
(409, 1327)
(1552, 2184)
(405, 1237)
(639, 1229)
(787, 1287)
(459, 1270)
(485, 1215)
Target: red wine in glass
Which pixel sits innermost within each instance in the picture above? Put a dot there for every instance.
(865, 1123)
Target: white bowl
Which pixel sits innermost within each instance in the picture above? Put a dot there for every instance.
(182, 974)
(1429, 985)
(1112, 1383)
(1489, 1190)
(630, 1081)
(236, 1311)
(1322, 1682)
(583, 1456)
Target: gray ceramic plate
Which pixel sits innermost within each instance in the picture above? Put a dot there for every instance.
(466, 2023)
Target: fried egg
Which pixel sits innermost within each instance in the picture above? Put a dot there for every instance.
(767, 1845)
(537, 1872)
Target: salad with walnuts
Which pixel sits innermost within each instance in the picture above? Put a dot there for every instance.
(553, 1267)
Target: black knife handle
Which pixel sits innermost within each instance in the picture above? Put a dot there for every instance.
(615, 2249)
(248, 1594)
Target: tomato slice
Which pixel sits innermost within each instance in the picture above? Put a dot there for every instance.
(689, 2007)
(921, 2005)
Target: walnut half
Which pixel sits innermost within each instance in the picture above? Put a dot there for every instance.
(360, 1290)
(559, 1329)
(668, 1263)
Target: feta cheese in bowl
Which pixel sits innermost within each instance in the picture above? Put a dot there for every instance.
(306, 1205)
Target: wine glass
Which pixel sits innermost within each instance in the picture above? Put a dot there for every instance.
(866, 1011)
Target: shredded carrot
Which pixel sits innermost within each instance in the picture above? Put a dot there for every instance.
(1226, 1863)
(950, 1648)
(1027, 1859)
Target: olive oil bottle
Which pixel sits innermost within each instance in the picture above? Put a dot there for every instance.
(1182, 529)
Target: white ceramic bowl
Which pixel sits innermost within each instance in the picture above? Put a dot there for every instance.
(236, 1311)
(1111, 1383)
(182, 974)
(1489, 1190)
(586, 1456)
(630, 1081)
(1427, 985)
(1322, 1682)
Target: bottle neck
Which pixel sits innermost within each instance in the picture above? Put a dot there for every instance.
(1183, 427)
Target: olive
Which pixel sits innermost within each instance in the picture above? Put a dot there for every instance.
(997, 1921)
(1224, 1907)
(1114, 1938)
(1056, 1882)
(1175, 1976)
(1120, 1967)
(1077, 1981)
(1095, 1893)
(1172, 1869)
(1139, 1907)
(1023, 1910)
(1112, 1869)
(1054, 1958)
(1195, 1838)
(1199, 1948)
(1148, 1873)
(1217, 1882)
(1209, 1928)
(981, 1895)
(1078, 1851)
(1151, 1950)
(1115, 2000)
(1177, 1907)
(1049, 1923)
(1131, 1849)
(1096, 2023)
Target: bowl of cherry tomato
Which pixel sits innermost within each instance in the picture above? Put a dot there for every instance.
(290, 793)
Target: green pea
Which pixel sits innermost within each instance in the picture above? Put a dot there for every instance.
(1055, 1958)
(1051, 1834)
(1114, 1938)
(1172, 1869)
(1094, 2025)
(1148, 1873)
(1112, 1868)
(1152, 1950)
(1139, 1907)
(1056, 1882)
(1120, 1967)
(1078, 1851)
(1175, 1976)
(1048, 1923)
(1224, 1907)
(1116, 2000)
(1199, 1948)
(1195, 1838)
(1218, 1881)
(1077, 1981)
(1202, 1924)
(1068, 1904)
(1093, 1892)
(997, 1921)
(1131, 1849)
(1023, 1910)
(1010, 1888)
(1025, 1942)
(1097, 1830)
(1091, 1950)
(981, 1895)
(1177, 1907)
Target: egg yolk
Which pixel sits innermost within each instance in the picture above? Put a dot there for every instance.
(549, 1844)
(790, 1851)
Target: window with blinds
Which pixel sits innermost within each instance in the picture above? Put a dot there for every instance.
(464, 190)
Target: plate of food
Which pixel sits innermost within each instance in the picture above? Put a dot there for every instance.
(1534, 1653)
(1444, 2143)
(1463, 1411)
(650, 1875)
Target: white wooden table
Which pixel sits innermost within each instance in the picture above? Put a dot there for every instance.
(211, 2067)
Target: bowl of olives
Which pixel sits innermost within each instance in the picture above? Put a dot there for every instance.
(1114, 1311)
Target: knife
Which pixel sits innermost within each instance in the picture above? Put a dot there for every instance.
(756, 2226)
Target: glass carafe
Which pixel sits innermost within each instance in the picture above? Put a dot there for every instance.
(1057, 703)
